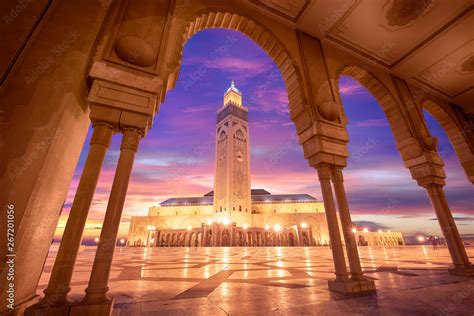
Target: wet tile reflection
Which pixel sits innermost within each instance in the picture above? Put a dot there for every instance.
(217, 281)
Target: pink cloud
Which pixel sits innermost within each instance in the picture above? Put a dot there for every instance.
(351, 88)
(241, 68)
(373, 123)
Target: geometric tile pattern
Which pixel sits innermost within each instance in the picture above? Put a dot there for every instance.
(274, 280)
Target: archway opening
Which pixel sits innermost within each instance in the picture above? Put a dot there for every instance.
(382, 195)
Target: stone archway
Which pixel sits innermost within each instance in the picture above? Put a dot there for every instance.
(404, 136)
(458, 133)
(261, 35)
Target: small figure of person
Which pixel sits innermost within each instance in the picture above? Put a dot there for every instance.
(196, 243)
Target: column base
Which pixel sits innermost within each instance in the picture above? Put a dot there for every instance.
(94, 309)
(351, 287)
(466, 271)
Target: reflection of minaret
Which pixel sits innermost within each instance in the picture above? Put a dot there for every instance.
(232, 177)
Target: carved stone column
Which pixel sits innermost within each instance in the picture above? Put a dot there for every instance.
(96, 300)
(55, 300)
(324, 175)
(346, 222)
(461, 263)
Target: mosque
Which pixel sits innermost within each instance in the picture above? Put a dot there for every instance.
(233, 214)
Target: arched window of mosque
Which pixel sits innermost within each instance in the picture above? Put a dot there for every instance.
(240, 208)
(240, 156)
(221, 208)
(222, 136)
(239, 135)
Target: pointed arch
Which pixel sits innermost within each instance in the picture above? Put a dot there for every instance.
(299, 109)
(457, 132)
(405, 140)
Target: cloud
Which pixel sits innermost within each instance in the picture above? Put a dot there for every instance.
(351, 88)
(458, 219)
(240, 68)
(373, 123)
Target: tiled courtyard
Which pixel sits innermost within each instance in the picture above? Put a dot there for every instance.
(274, 281)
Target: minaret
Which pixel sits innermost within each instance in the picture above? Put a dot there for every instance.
(232, 176)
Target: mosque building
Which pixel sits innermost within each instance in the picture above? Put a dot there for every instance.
(233, 214)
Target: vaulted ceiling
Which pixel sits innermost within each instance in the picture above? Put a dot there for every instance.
(429, 43)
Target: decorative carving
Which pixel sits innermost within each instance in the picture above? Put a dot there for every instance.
(131, 138)
(135, 51)
(324, 173)
(102, 134)
(336, 175)
(329, 110)
(402, 12)
(430, 143)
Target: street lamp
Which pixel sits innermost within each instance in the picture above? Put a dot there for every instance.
(277, 227)
(354, 230)
(304, 225)
(246, 226)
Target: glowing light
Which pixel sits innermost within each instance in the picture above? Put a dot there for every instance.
(421, 238)
(189, 227)
(226, 222)
(246, 226)
(277, 227)
(388, 231)
(96, 239)
(354, 230)
(151, 228)
(122, 241)
(365, 230)
(209, 222)
(267, 227)
(304, 225)
(380, 231)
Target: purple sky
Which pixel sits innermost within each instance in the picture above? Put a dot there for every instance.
(177, 156)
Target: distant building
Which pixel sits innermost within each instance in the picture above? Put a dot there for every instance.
(379, 238)
(233, 214)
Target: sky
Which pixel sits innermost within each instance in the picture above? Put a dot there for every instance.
(176, 159)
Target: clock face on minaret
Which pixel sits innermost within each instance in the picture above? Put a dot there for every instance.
(232, 175)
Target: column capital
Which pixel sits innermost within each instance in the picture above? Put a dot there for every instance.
(324, 172)
(131, 138)
(433, 189)
(121, 105)
(102, 134)
(336, 174)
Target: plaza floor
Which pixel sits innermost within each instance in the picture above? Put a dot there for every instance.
(274, 281)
